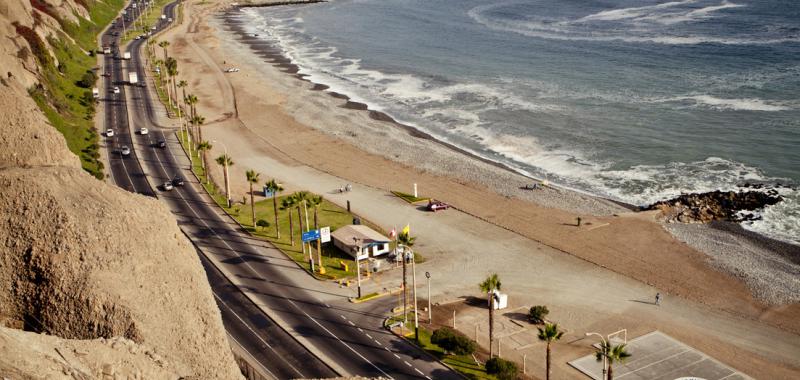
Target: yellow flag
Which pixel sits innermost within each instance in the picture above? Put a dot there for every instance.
(406, 230)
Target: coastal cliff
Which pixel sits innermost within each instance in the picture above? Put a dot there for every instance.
(94, 281)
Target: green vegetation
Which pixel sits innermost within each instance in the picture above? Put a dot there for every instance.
(537, 314)
(410, 198)
(613, 354)
(328, 214)
(549, 334)
(464, 364)
(64, 96)
(148, 19)
(503, 369)
(453, 341)
(489, 286)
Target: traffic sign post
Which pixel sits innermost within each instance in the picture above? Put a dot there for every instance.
(310, 236)
(325, 234)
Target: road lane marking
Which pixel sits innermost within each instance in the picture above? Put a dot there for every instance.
(397, 356)
(257, 336)
(220, 218)
(360, 330)
(407, 363)
(369, 336)
(419, 372)
(351, 323)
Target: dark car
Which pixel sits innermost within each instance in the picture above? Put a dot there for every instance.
(434, 205)
(178, 181)
(161, 144)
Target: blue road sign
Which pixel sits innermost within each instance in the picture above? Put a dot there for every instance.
(267, 193)
(310, 236)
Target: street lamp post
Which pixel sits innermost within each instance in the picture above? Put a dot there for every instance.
(604, 348)
(414, 285)
(430, 311)
(358, 264)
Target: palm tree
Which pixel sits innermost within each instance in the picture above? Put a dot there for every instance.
(252, 177)
(197, 121)
(406, 241)
(225, 161)
(172, 71)
(163, 45)
(275, 188)
(191, 100)
(204, 147)
(489, 286)
(182, 85)
(549, 334)
(300, 198)
(612, 354)
(316, 202)
(288, 205)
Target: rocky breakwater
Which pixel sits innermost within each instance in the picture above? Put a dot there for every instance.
(95, 282)
(717, 205)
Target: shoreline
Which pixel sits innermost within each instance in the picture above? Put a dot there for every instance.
(697, 240)
(593, 277)
(278, 58)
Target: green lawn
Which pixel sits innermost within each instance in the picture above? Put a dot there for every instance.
(329, 214)
(410, 198)
(461, 363)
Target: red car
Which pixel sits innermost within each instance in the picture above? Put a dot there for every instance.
(434, 205)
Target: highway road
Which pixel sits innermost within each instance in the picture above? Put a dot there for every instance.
(322, 333)
(126, 171)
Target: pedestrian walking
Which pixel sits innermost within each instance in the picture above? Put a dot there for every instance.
(658, 299)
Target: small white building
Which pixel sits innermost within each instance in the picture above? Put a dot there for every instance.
(350, 238)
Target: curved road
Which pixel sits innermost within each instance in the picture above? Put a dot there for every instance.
(322, 333)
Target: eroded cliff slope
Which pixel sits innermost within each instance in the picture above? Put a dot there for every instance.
(102, 279)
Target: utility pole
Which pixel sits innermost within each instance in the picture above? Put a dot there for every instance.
(430, 311)
(358, 264)
(416, 309)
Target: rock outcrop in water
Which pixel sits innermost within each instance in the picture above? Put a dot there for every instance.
(715, 205)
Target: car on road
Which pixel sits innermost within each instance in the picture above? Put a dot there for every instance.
(125, 151)
(139, 37)
(143, 131)
(232, 70)
(167, 186)
(434, 205)
(178, 181)
(116, 90)
(109, 132)
(161, 143)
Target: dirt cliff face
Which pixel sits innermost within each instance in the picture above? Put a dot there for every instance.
(105, 274)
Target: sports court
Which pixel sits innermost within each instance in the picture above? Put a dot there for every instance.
(658, 356)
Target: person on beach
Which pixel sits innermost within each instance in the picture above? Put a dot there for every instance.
(658, 299)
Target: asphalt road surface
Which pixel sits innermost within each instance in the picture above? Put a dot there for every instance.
(321, 330)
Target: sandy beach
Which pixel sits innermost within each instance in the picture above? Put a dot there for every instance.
(270, 120)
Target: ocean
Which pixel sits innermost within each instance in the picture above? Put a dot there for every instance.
(637, 101)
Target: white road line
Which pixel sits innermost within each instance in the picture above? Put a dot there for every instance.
(369, 336)
(259, 338)
(397, 356)
(419, 372)
(379, 343)
(247, 264)
(343, 317)
(351, 323)
(407, 363)
(360, 330)
(428, 377)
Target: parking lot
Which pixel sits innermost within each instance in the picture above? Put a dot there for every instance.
(658, 356)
